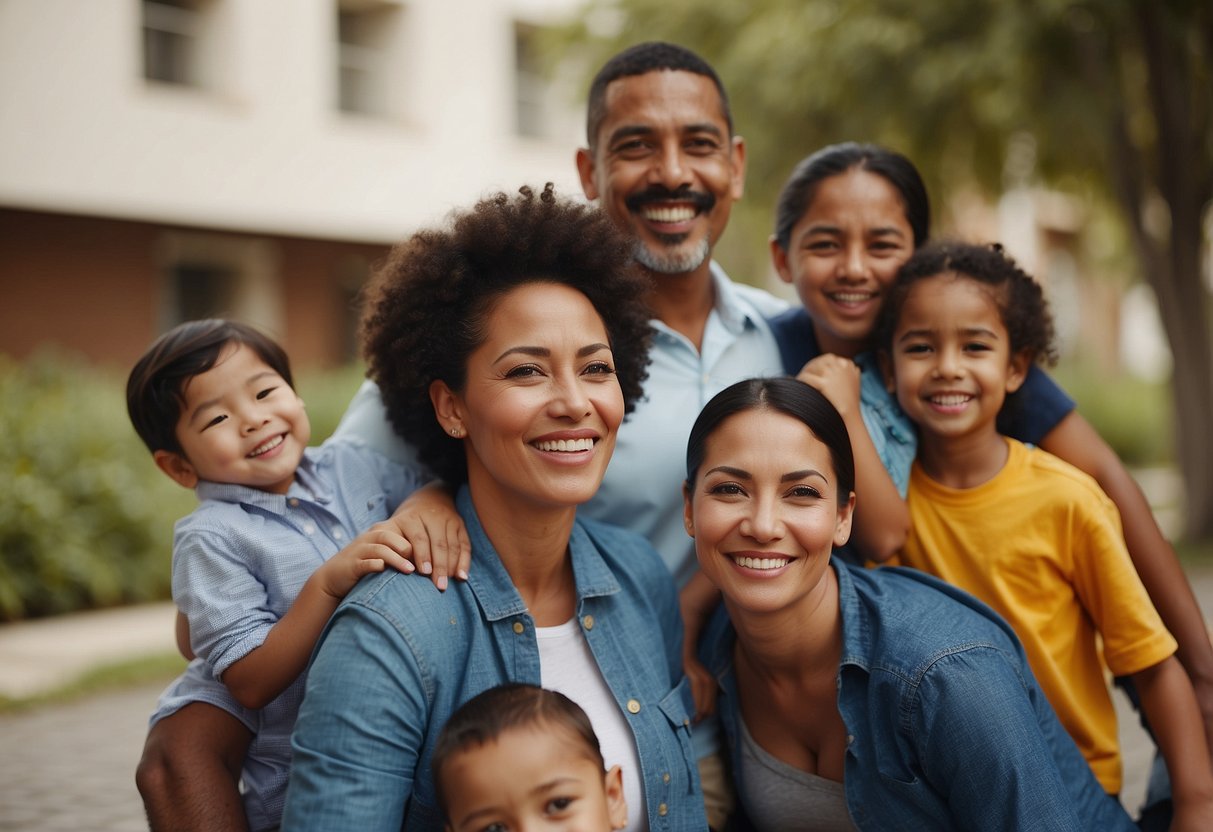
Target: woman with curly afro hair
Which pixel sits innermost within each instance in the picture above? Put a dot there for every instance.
(508, 346)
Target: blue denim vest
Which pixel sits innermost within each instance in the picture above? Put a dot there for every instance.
(398, 657)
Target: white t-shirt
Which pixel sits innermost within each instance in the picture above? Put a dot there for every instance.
(567, 665)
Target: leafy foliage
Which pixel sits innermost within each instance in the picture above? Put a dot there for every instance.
(85, 516)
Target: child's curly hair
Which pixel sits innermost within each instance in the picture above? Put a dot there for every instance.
(1021, 303)
(428, 304)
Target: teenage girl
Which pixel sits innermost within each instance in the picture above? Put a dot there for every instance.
(848, 218)
(1029, 534)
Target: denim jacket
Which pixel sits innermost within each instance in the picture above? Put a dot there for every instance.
(398, 657)
(946, 726)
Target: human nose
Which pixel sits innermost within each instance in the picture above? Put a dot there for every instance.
(252, 417)
(854, 264)
(763, 523)
(670, 169)
(570, 399)
(947, 362)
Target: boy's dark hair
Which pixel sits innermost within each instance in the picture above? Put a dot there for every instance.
(800, 189)
(643, 58)
(1021, 302)
(154, 389)
(428, 305)
(782, 394)
(485, 717)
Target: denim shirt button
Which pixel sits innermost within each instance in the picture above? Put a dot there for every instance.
(850, 739)
(293, 502)
(665, 778)
(518, 628)
(588, 621)
(633, 706)
(663, 810)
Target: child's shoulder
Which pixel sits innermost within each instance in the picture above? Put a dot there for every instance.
(1060, 478)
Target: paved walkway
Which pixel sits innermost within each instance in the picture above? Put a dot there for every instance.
(70, 765)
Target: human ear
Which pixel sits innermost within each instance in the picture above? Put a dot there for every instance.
(688, 512)
(737, 153)
(842, 529)
(585, 169)
(779, 259)
(177, 467)
(617, 807)
(1017, 370)
(448, 408)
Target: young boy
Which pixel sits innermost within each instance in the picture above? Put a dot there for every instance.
(281, 533)
(1023, 531)
(518, 757)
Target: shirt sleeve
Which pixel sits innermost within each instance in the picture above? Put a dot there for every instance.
(1107, 583)
(1034, 409)
(987, 740)
(360, 730)
(226, 604)
(366, 421)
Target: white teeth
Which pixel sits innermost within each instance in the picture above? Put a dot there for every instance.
(761, 563)
(267, 446)
(951, 399)
(568, 445)
(852, 297)
(679, 213)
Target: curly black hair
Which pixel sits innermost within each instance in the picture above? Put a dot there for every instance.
(1021, 302)
(427, 305)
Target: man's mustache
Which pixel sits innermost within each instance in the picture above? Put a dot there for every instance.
(659, 193)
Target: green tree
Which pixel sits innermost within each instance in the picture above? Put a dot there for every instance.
(1115, 97)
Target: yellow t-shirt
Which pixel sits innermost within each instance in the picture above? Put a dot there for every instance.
(1042, 545)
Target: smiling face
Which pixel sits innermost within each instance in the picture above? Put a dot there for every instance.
(532, 778)
(843, 253)
(541, 404)
(952, 365)
(665, 167)
(764, 510)
(240, 423)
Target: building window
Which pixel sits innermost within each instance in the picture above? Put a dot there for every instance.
(217, 275)
(172, 41)
(369, 53)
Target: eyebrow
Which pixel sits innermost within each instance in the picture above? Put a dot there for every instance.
(212, 402)
(791, 476)
(540, 789)
(544, 352)
(882, 231)
(924, 332)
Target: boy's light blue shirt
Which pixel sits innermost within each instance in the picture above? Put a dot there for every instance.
(947, 728)
(398, 657)
(239, 561)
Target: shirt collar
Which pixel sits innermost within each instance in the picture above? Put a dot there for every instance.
(492, 585)
(735, 314)
(856, 631)
(308, 485)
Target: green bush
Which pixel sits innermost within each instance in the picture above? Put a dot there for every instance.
(85, 516)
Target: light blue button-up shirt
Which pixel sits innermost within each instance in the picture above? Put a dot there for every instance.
(947, 728)
(398, 658)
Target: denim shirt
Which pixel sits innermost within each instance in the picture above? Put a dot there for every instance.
(946, 726)
(398, 657)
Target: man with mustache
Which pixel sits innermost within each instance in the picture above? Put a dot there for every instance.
(663, 161)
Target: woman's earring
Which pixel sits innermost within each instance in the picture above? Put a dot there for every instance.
(457, 432)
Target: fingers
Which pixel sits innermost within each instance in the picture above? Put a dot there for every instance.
(463, 545)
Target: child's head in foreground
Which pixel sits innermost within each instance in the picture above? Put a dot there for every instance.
(519, 757)
(213, 400)
(959, 329)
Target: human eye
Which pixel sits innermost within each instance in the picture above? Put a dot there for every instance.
(261, 394)
(806, 492)
(214, 421)
(631, 148)
(599, 368)
(702, 144)
(977, 346)
(727, 489)
(821, 245)
(523, 371)
(558, 805)
(918, 348)
(495, 826)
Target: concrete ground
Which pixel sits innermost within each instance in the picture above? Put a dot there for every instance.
(69, 765)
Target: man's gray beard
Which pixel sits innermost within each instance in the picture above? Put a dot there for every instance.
(673, 263)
